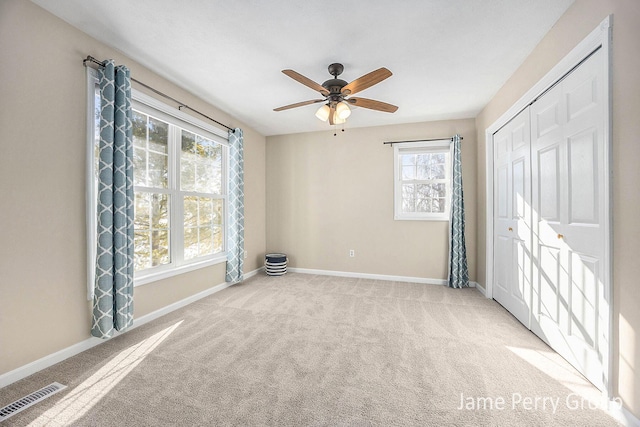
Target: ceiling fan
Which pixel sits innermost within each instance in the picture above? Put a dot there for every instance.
(337, 92)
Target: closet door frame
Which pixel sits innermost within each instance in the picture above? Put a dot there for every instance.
(599, 38)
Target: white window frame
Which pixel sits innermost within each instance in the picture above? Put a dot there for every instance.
(157, 109)
(417, 147)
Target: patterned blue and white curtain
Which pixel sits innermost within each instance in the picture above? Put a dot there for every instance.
(458, 272)
(113, 293)
(235, 239)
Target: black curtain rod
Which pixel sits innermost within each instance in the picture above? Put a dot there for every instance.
(419, 140)
(181, 105)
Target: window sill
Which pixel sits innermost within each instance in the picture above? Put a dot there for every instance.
(170, 272)
(420, 218)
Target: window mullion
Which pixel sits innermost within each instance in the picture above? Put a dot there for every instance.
(200, 194)
(147, 178)
(141, 188)
(177, 221)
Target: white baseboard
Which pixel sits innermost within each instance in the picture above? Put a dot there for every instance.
(381, 277)
(253, 273)
(480, 288)
(623, 415)
(369, 276)
(57, 357)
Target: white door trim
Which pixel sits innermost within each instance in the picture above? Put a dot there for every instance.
(600, 37)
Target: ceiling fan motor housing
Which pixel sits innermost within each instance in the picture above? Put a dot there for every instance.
(334, 86)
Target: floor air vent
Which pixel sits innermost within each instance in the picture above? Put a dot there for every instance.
(30, 400)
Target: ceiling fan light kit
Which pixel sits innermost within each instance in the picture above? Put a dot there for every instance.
(323, 113)
(339, 116)
(336, 94)
(342, 110)
(337, 120)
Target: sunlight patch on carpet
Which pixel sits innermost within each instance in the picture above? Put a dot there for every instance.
(552, 364)
(81, 399)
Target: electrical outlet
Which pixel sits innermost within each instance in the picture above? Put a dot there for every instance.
(246, 254)
(352, 253)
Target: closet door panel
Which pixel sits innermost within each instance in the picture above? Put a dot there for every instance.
(547, 117)
(522, 281)
(512, 201)
(547, 296)
(519, 172)
(503, 192)
(568, 181)
(503, 260)
(583, 178)
(585, 286)
(547, 171)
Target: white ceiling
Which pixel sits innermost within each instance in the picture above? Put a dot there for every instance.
(448, 57)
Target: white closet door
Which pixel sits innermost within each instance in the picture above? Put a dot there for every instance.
(568, 193)
(512, 226)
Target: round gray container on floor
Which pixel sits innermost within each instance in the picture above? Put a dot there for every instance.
(275, 264)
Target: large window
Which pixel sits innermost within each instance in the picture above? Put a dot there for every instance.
(422, 180)
(180, 166)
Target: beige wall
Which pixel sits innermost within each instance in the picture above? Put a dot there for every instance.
(579, 20)
(42, 183)
(327, 195)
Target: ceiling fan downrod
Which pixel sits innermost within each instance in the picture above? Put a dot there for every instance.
(335, 85)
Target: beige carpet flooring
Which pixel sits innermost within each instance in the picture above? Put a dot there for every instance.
(311, 350)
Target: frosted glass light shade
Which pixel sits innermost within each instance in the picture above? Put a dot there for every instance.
(337, 120)
(342, 110)
(323, 113)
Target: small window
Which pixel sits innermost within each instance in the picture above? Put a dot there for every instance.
(422, 182)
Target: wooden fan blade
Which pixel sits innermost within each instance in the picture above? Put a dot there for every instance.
(299, 104)
(372, 104)
(306, 81)
(366, 81)
(332, 112)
